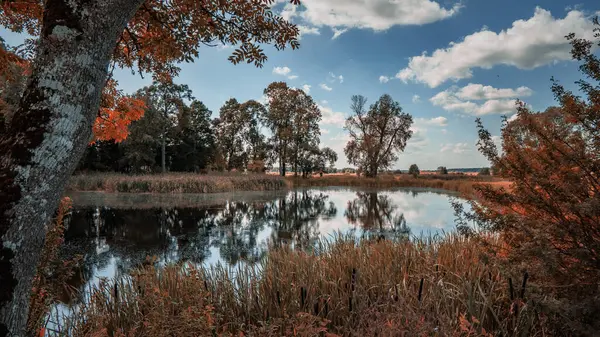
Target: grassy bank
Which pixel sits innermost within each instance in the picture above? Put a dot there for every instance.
(458, 183)
(175, 183)
(346, 289)
(195, 183)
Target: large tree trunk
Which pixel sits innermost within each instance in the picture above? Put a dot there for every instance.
(48, 135)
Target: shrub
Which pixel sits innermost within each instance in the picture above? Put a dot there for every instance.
(551, 215)
(485, 171)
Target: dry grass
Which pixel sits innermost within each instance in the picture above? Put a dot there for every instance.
(440, 288)
(459, 183)
(175, 183)
(195, 183)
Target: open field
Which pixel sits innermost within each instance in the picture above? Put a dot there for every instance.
(195, 183)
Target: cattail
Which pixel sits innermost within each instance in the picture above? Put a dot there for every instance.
(421, 289)
(510, 289)
(525, 277)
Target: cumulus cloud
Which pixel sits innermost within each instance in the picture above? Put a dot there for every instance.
(306, 30)
(331, 117)
(332, 78)
(383, 79)
(481, 92)
(284, 71)
(436, 121)
(418, 141)
(455, 148)
(306, 88)
(497, 101)
(378, 15)
(325, 87)
(528, 44)
(416, 99)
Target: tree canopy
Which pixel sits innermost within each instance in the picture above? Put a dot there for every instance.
(376, 134)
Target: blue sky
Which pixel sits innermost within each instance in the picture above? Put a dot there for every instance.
(446, 62)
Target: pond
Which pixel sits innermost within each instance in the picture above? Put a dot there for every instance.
(116, 232)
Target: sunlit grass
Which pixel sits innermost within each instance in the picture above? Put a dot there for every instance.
(176, 183)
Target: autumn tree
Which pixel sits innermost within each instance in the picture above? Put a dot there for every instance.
(293, 117)
(376, 135)
(550, 215)
(77, 42)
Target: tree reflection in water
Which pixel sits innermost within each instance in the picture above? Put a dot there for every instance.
(237, 230)
(377, 216)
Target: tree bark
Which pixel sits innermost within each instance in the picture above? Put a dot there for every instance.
(48, 135)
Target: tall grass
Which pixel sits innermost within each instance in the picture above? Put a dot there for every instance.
(175, 183)
(442, 287)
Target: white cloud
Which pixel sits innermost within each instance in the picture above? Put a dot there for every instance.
(416, 99)
(324, 101)
(337, 32)
(383, 79)
(455, 148)
(378, 15)
(325, 87)
(324, 131)
(481, 92)
(306, 30)
(341, 78)
(436, 121)
(283, 71)
(306, 88)
(331, 117)
(528, 44)
(332, 78)
(497, 101)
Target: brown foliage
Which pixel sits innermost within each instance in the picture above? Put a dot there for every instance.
(551, 215)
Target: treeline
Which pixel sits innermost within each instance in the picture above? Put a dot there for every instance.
(177, 133)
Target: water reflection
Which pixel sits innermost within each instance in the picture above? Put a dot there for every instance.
(377, 216)
(114, 236)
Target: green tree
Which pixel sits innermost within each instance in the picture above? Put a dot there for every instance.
(238, 137)
(376, 135)
(167, 98)
(293, 117)
(414, 170)
(442, 170)
(485, 171)
(194, 141)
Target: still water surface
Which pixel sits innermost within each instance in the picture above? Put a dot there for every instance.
(115, 232)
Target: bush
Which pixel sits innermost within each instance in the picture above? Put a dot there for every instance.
(551, 213)
(485, 171)
(414, 170)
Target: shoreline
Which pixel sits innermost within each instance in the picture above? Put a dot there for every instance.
(188, 183)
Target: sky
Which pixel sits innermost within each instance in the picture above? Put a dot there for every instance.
(446, 62)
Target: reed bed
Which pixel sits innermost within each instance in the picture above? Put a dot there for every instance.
(175, 183)
(442, 287)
